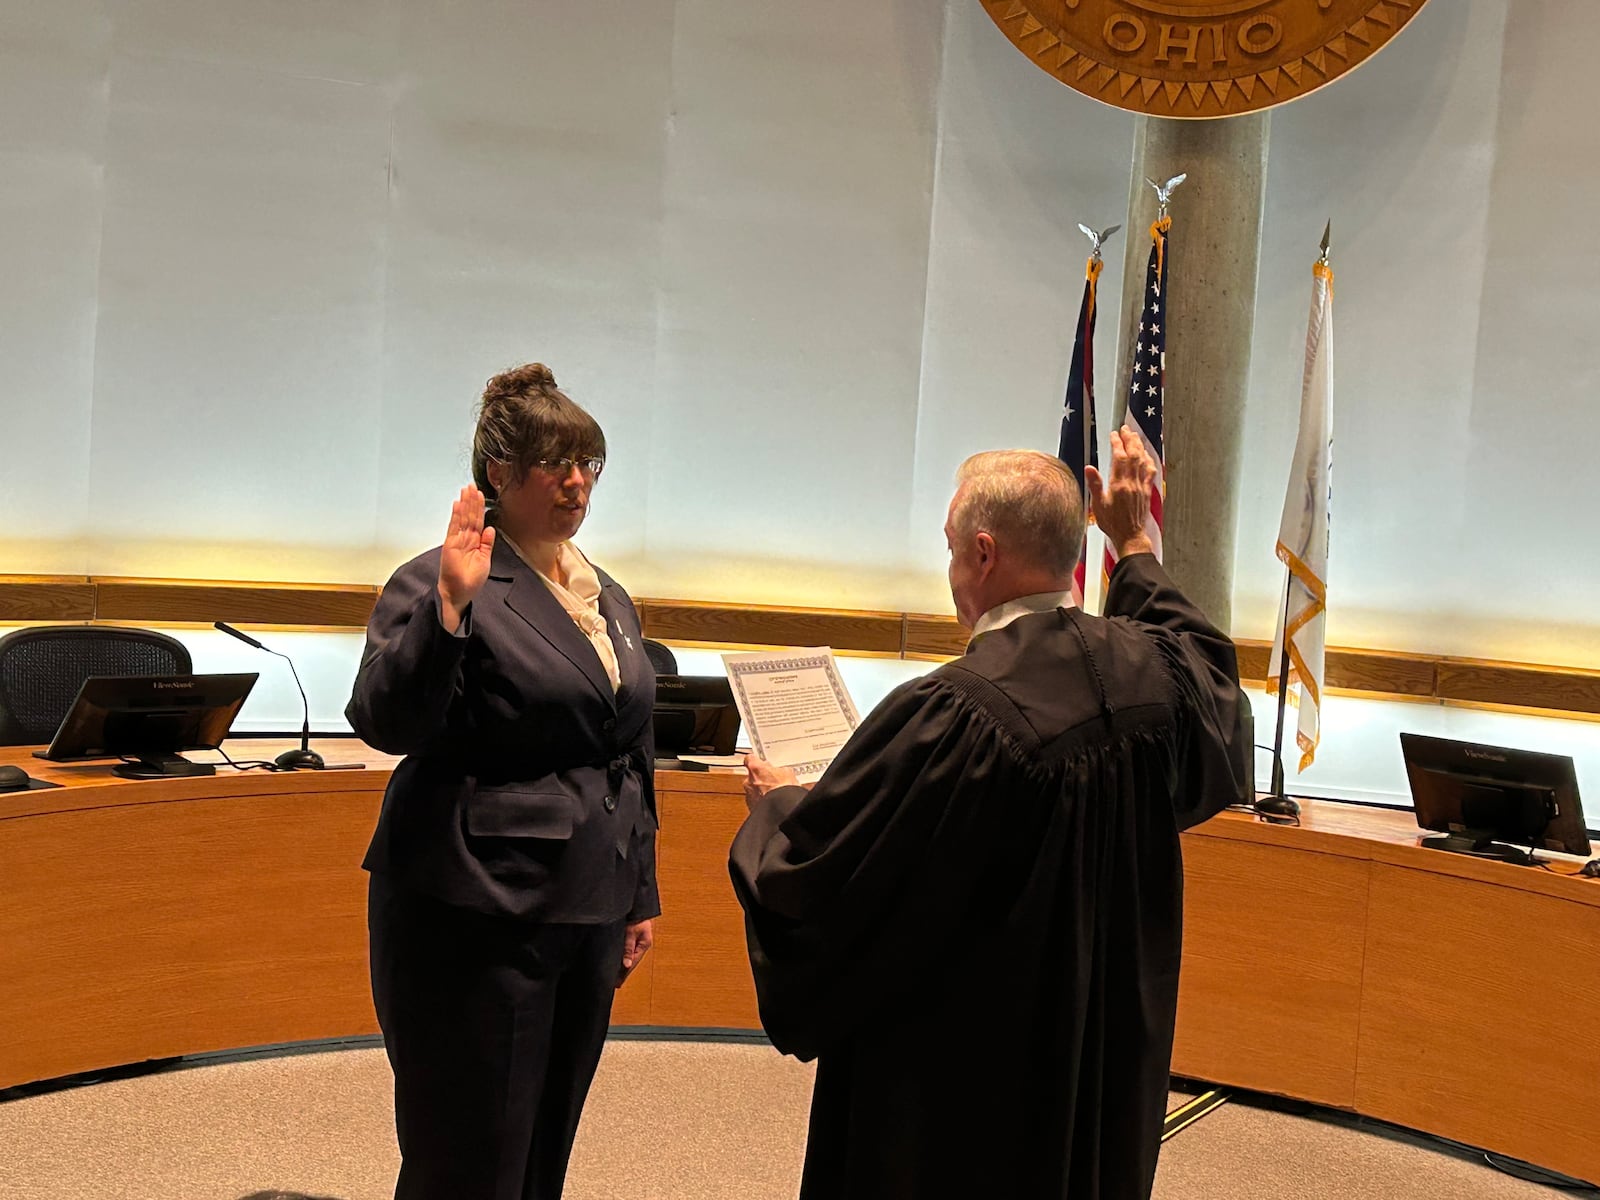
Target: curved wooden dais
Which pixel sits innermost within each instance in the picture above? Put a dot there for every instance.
(1338, 962)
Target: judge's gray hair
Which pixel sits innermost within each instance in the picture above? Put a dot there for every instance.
(1030, 503)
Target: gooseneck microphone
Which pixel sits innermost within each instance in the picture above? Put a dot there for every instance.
(305, 758)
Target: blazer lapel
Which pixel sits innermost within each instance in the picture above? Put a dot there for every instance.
(625, 635)
(531, 599)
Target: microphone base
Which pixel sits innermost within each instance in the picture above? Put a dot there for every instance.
(299, 760)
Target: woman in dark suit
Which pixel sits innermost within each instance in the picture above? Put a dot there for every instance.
(513, 867)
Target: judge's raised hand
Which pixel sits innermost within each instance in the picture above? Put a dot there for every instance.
(464, 559)
(1122, 504)
(761, 777)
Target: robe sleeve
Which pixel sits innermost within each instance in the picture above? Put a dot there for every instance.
(1216, 728)
(847, 888)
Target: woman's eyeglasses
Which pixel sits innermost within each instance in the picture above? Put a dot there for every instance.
(562, 467)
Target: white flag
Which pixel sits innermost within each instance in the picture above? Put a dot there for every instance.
(1303, 533)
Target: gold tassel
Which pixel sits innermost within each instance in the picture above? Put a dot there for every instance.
(1157, 229)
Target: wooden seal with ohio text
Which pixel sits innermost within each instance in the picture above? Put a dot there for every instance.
(1198, 59)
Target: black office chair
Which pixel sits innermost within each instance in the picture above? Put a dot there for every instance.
(661, 658)
(42, 668)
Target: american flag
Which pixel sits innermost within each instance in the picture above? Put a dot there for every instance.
(1147, 385)
(1078, 433)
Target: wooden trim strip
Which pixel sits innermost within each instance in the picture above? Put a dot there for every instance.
(1562, 689)
(760, 625)
(183, 601)
(1254, 659)
(46, 598)
(1385, 672)
(928, 635)
(26, 599)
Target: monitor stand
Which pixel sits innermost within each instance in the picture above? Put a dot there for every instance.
(1478, 844)
(162, 766)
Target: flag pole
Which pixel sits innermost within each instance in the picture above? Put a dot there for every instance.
(1283, 691)
(1098, 238)
(1080, 455)
(1088, 417)
(1277, 806)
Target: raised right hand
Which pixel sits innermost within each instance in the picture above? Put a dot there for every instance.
(464, 560)
(1121, 504)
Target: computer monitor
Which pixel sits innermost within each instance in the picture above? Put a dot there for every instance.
(695, 714)
(150, 719)
(1490, 800)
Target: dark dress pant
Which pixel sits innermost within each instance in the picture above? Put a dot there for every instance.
(494, 1028)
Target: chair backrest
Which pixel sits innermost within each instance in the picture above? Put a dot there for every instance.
(42, 668)
(661, 658)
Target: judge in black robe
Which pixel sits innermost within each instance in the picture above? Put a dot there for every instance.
(973, 920)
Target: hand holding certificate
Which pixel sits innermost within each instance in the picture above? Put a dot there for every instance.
(796, 710)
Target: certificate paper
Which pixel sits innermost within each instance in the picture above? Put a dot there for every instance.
(796, 710)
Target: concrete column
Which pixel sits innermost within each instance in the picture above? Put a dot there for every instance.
(1213, 251)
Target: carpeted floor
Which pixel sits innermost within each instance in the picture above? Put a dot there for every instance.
(666, 1121)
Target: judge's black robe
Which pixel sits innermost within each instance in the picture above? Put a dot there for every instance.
(973, 920)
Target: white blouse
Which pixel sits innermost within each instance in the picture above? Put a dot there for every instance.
(581, 599)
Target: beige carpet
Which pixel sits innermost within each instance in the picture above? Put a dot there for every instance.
(666, 1121)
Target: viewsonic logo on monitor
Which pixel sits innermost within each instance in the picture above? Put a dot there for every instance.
(174, 685)
(1486, 756)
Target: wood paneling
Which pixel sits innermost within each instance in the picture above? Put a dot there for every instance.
(1326, 826)
(1254, 659)
(1384, 672)
(46, 598)
(153, 918)
(1477, 1021)
(702, 974)
(1250, 1014)
(1337, 962)
(1556, 688)
(92, 785)
(632, 1004)
(934, 635)
(181, 601)
(687, 621)
(168, 928)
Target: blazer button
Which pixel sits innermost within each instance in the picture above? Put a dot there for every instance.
(611, 803)
(609, 727)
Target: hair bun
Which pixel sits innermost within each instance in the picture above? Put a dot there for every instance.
(537, 374)
(530, 377)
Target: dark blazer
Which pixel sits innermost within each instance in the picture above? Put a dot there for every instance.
(526, 788)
